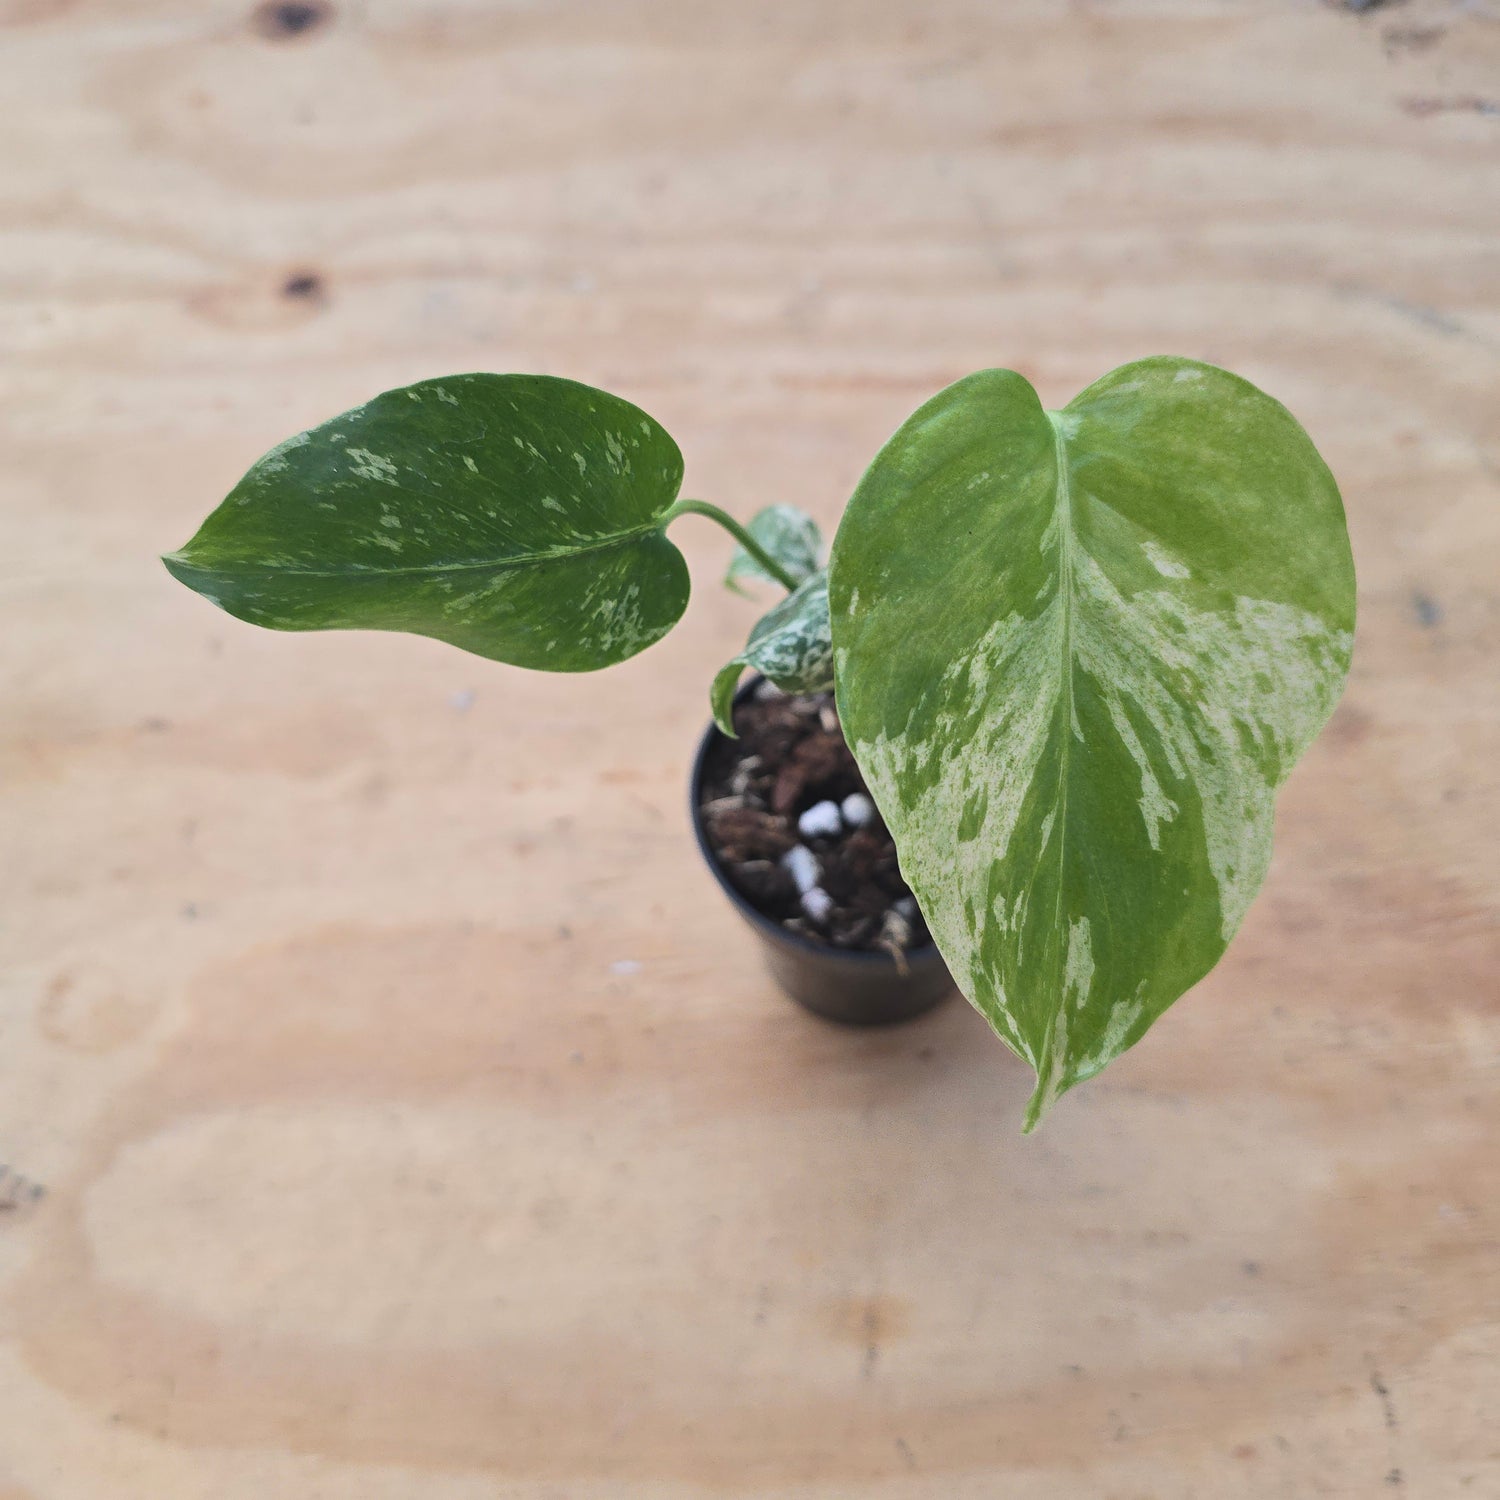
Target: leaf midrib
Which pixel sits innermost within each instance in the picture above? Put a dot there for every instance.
(1063, 489)
(511, 560)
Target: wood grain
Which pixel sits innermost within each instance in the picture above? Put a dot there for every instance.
(361, 1169)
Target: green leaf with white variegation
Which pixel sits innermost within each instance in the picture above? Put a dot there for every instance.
(517, 516)
(790, 644)
(1077, 653)
(792, 538)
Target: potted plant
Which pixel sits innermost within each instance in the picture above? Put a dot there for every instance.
(1073, 653)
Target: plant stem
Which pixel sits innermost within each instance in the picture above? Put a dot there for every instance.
(738, 532)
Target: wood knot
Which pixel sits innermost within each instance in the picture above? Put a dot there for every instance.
(303, 286)
(17, 1192)
(281, 20)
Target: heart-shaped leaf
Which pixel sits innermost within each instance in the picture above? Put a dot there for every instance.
(790, 643)
(1077, 653)
(792, 538)
(516, 516)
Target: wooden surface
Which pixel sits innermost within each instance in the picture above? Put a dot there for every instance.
(390, 1106)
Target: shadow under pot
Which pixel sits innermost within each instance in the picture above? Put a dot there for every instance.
(858, 986)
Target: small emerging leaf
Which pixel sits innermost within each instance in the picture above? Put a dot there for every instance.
(791, 644)
(516, 516)
(1077, 653)
(790, 535)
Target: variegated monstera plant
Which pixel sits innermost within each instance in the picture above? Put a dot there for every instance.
(1075, 652)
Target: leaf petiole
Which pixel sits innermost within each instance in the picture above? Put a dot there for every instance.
(738, 532)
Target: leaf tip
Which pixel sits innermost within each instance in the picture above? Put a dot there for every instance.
(721, 696)
(1043, 1097)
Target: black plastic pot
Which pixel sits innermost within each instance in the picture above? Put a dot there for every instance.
(839, 984)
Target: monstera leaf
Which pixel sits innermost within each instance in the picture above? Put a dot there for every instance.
(517, 516)
(791, 644)
(792, 538)
(1077, 652)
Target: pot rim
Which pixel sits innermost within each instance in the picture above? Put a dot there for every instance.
(926, 953)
